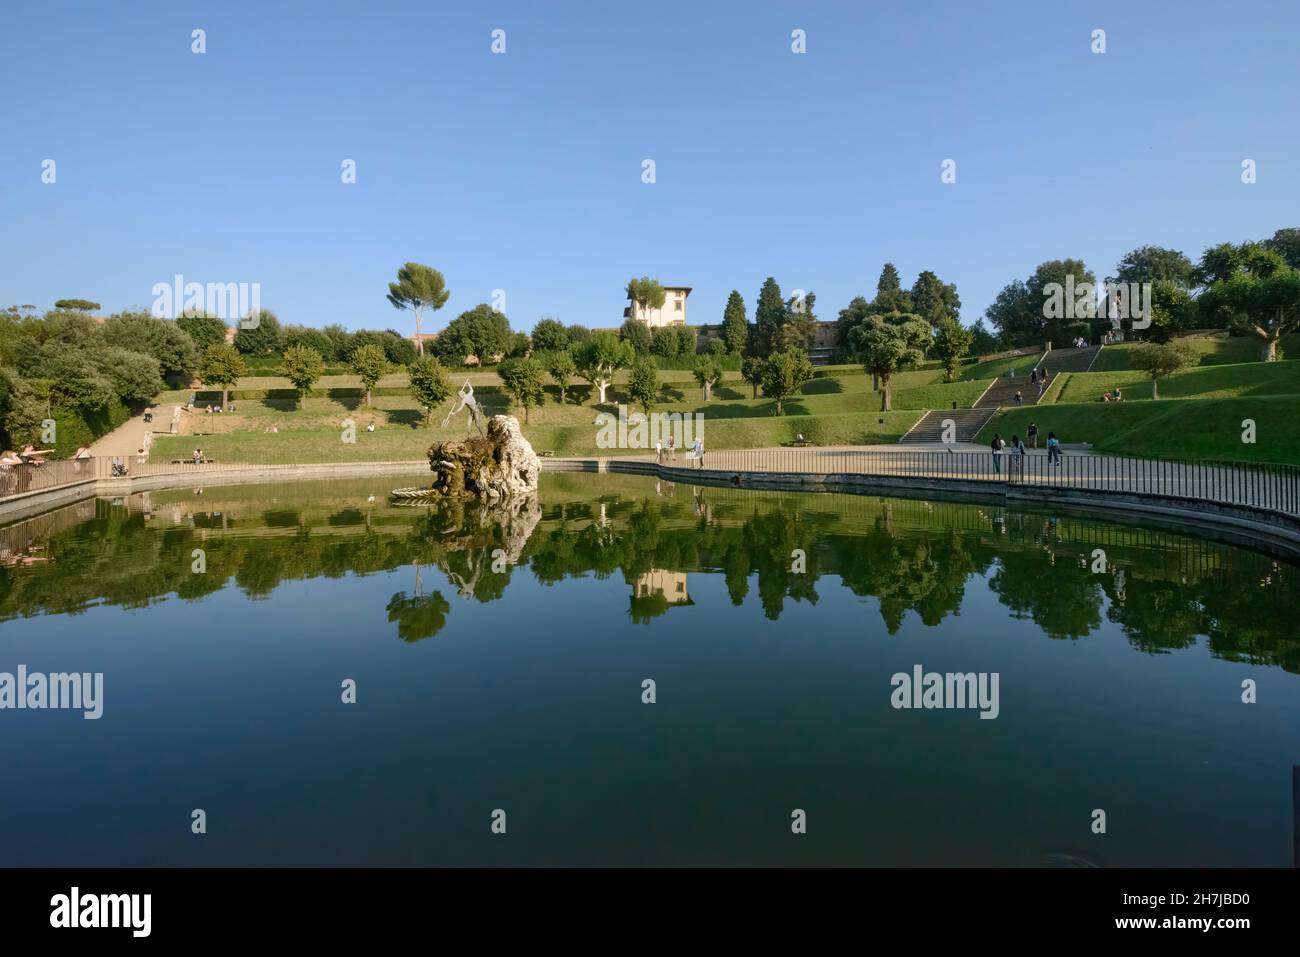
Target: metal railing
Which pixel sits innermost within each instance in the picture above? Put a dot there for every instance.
(21, 479)
(1266, 487)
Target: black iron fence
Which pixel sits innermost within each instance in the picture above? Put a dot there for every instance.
(1266, 487)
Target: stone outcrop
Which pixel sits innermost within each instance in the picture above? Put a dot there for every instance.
(492, 468)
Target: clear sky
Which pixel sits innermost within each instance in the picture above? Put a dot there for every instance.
(523, 171)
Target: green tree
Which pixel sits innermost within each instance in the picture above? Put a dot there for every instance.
(952, 343)
(1172, 309)
(205, 330)
(418, 288)
(708, 373)
(578, 334)
(370, 364)
(310, 338)
(1159, 361)
(735, 325)
(798, 324)
(77, 305)
(481, 332)
(260, 334)
(885, 348)
(525, 380)
(643, 384)
(429, 384)
(784, 374)
(637, 335)
(646, 293)
(716, 348)
(549, 335)
(891, 297)
(1285, 242)
(1154, 263)
(341, 340)
(221, 365)
(136, 377)
(983, 342)
(303, 367)
(665, 343)
(769, 317)
(751, 370)
(520, 345)
(599, 358)
(562, 369)
(160, 338)
(1261, 298)
(934, 300)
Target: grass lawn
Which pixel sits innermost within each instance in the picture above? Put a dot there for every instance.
(1202, 382)
(1199, 413)
(1169, 428)
(1219, 349)
(315, 434)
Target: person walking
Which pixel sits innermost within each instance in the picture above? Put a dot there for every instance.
(996, 446)
(697, 452)
(659, 452)
(1053, 450)
(1019, 398)
(672, 448)
(1032, 432)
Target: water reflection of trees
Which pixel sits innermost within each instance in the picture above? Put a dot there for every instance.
(1162, 591)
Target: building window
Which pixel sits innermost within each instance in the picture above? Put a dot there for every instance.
(678, 305)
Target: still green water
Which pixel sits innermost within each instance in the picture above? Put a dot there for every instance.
(501, 660)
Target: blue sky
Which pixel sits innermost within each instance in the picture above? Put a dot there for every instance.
(522, 171)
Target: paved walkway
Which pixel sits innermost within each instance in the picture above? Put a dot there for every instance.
(129, 437)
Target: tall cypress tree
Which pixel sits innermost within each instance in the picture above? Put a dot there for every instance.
(891, 297)
(769, 316)
(735, 327)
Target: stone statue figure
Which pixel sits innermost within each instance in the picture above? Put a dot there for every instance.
(466, 401)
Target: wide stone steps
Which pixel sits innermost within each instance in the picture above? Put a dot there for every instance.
(931, 426)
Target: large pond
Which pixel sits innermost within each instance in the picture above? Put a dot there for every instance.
(501, 662)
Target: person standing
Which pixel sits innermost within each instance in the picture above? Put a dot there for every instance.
(1032, 432)
(659, 452)
(1053, 450)
(1017, 457)
(996, 446)
(672, 448)
(697, 451)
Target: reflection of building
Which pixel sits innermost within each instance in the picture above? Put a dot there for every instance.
(672, 313)
(671, 585)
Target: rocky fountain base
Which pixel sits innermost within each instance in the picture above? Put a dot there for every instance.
(491, 468)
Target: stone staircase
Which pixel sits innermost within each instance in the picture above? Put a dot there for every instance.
(1003, 390)
(929, 428)
(969, 422)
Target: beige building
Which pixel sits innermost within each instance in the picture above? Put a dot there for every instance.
(673, 312)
